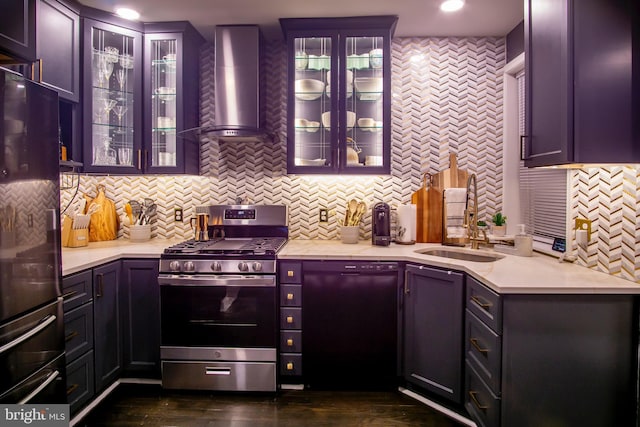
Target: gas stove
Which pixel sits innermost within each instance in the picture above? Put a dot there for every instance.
(238, 239)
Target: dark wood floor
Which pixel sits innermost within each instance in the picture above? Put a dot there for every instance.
(149, 405)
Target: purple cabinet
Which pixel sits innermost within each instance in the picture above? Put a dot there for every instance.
(581, 85)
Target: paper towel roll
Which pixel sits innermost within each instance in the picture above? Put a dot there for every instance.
(406, 225)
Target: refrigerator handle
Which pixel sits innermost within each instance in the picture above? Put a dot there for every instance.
(22, 338)
(51, 378)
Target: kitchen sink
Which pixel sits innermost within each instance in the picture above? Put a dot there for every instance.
(461, 255)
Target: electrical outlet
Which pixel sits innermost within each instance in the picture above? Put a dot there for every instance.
(30, 221)
(177, 214)
(324, 215)
(584, 224)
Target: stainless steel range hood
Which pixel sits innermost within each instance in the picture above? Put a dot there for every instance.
(237, 85)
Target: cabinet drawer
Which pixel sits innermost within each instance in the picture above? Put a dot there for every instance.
(80, 387)
(483, 348)
(290, 318)
(291, 295)
(290, 364)
(485, 304)
(78, 331)
(77, 289)
(291, 341)
(482, 405)
(290, 272)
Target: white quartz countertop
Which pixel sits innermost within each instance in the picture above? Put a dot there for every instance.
(539, 274)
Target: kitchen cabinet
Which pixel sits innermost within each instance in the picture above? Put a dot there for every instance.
(171, 97)
(339, 96)
(350, 324)
(290, 283)
(107, 324)
(77, 293)
(112, 98)
(570, 358)
(141, 317)
(58, 48)
(18, 31)
(433, 330)
(581, 101)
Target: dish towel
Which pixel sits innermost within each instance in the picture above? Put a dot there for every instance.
(455, 202)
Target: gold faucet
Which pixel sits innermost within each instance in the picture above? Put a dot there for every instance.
(471, 215)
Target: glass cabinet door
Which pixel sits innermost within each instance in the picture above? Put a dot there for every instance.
(315, 128)
(163, 104)
(112, 118)
(363, 81)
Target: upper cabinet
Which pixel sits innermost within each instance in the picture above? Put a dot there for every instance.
(339, 96)
(112, 99)
(18, 31)
(581, 82)
(171, 97)
(58, 48)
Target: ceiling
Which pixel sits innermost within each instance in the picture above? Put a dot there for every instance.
(416, 17)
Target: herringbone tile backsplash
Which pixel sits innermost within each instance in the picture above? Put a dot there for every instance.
(447, 98)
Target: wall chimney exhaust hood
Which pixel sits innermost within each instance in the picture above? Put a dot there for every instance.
(237, 86)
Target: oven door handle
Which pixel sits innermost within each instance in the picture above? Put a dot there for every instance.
(198, 280)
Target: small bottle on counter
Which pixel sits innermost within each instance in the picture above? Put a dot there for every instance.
(523, 242)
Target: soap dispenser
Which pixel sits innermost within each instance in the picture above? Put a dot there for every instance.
(523, 242)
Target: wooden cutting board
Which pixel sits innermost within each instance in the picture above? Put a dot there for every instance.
(428, 201)
(452, 177)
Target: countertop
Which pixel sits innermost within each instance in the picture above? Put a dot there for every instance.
(539, 274)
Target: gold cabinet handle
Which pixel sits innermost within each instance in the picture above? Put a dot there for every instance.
(289, 319)
(100, 285)
(289, 342)
(476, 402)
(72, 388)
(290, 297)
(69, 294)
(139, 159)
(289, 366)
(71, 336)
(289, 273)
(406, 282)
(474, 343)
(40, 70)
(486, 305)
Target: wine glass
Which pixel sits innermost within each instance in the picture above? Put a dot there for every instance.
(120, 111)
(106, 68)
(107, 106)
(121, 76)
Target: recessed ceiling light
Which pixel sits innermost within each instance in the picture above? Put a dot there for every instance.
(451, 5)
(127, 13)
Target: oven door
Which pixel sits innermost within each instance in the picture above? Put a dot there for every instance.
(237, 311)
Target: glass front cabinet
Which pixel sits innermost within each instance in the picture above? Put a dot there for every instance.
(112, 90)
(339, 95)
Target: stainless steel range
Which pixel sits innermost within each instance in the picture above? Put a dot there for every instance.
(219, 300)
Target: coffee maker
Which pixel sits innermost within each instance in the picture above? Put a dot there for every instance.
(381, 224)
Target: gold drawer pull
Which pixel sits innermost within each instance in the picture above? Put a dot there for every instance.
(71, 336)
(290, 342)
(290, 297)
(476, 402)
(290, 273)
(485, 305)
(474, 343)
(289, 319)
(72, 389)
(289, 366)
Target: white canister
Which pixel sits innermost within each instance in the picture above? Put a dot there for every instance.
(375, 58)
(406, 226)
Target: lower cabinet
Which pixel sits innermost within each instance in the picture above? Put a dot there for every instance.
(140, 316)
(107, 324)
(550, 360)
(433, 330)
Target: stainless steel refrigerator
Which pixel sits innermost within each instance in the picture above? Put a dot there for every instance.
(31, 324)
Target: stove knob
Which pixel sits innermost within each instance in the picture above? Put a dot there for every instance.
(216, 266)
(174, 266)
(257, 266)
(189, 266)
(243, 266)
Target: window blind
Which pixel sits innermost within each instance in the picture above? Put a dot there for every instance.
(543, 192)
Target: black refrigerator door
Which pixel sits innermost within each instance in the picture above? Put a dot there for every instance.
(29, 196)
